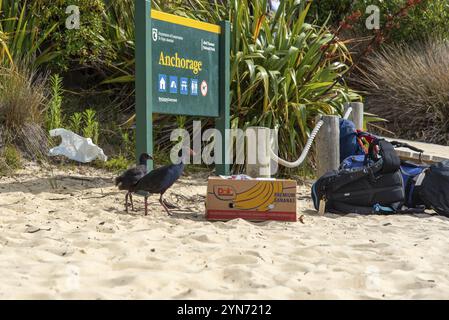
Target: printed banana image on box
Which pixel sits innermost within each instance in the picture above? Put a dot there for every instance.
(257, 200)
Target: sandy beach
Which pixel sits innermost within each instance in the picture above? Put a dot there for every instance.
(76, 242)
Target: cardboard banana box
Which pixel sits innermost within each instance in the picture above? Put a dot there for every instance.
(256, 200)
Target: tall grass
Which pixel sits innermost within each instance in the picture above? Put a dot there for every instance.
(23, 98)
(409, 86)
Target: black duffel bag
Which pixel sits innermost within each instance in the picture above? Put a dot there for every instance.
(377, 187)
(434, 189)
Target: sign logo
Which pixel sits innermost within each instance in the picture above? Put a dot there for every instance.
(184, 86)
(155, 34)
(194, 87)
(204, 88)
(224, 192)
(173, 84)
(162, 83)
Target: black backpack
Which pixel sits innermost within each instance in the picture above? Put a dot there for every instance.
(434, 189)
(377, 187)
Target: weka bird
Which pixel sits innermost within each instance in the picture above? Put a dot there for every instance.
(161, 179)
(128, 179)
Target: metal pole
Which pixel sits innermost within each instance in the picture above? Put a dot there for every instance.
(356, 114)
(328, 145)
(143, 82)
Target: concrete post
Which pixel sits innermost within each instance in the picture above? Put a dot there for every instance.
(258, 160)
(328, 145)
(356, 114)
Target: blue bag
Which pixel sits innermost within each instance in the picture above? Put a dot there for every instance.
(410, 174)
(354, 162)
(349, 144)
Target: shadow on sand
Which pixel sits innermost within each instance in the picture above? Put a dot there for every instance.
(57, 184)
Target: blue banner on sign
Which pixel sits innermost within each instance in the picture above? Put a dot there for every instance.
(162, 83)
(184, 86)
(173, 84)
(194, 87)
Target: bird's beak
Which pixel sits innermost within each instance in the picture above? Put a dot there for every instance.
(150, 157)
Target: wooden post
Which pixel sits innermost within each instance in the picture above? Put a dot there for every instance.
(356, 114)
(258, 160)
(328, 145)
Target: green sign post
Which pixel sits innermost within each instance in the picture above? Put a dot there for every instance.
(182, 67)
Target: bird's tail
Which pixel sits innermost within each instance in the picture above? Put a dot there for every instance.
(118, 180)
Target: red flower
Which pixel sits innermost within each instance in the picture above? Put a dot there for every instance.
(354, 16)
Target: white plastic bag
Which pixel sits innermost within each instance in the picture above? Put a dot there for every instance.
(76, 147)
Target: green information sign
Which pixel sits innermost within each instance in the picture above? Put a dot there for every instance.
(186, 64)
(182, 68)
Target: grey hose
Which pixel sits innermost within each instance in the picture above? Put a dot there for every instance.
(307, 148)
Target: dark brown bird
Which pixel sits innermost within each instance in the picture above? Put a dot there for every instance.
(128, 179)
(161, 179)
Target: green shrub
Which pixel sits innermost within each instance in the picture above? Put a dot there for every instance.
(84, 46)
(75, 122)
(24, 34)
(408, 85)
(128, 142)
(54, 117)
(116, 164)
(428, 17)
(335, 11)
(91, 125)
(10, 160)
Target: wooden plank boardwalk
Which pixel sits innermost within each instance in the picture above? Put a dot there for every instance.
(432, 152)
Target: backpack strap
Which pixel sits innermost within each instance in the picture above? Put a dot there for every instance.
(345, 177)
(381, 148)
(392, 162)
(397, 144)
(340, 207)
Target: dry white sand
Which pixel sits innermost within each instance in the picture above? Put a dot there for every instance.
(76, 241)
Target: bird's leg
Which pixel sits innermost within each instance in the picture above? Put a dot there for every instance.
(132, 203)
(126, 202)
(146, 205)
(161, 201)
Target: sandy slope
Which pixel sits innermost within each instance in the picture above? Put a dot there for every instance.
(76, 242)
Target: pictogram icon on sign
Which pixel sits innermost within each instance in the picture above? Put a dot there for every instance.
(204, 88)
